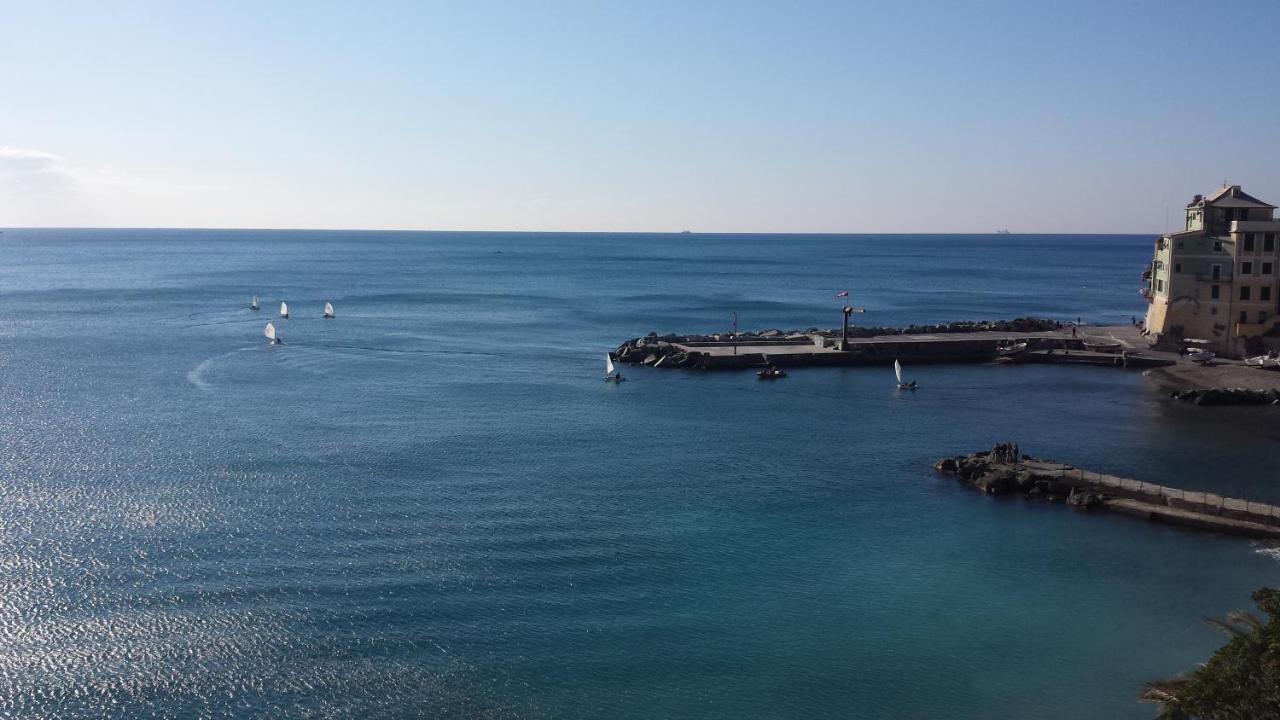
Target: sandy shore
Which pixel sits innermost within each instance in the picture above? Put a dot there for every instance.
(1189, 376)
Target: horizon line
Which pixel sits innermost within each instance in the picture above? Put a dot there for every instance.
(545, 232)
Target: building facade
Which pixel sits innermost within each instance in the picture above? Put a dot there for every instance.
(1219, 279)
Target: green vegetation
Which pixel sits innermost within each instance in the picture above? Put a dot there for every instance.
(1241, 680)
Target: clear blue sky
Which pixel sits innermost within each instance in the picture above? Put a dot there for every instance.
(735, 116)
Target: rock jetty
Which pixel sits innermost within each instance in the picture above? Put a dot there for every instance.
(1037, 479)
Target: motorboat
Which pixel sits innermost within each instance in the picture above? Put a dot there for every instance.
(773, 372)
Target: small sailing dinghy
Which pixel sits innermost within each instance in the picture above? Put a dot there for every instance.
(270, 332)
(328, 310)
(284, 310)
(610, 373)
(253, 304)
(897, 371)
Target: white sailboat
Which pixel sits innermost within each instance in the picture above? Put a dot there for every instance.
(610, 373)
(897, 371)
(253, 304)
(270, 332)
(328, 309)
(284, 310)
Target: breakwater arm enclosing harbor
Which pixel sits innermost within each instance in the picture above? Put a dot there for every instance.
(918, 344)
(1033, 478)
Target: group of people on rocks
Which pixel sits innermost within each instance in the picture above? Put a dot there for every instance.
(1005, 452)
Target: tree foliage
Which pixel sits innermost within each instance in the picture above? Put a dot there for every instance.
(1240, 681)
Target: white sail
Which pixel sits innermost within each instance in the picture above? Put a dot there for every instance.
(328, 309)
(608, 365)
(897, 370)
(270, 332)
(253, 304)
(284, 310)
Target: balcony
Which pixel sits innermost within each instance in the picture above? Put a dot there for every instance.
(1146, 274)
(1247, 329)
(1146, 293)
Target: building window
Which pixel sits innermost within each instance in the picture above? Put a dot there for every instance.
(1244, 292)
(1159, 285)
(1179, 244)
(1246, 268)
(1244, 316)
(1264, 292)
(1217, 246)
(1266, 268)
(1262, 316)
(1269, 242)
(1248, 242)
(1177, 267)
(1215, 292)
(1216, 272)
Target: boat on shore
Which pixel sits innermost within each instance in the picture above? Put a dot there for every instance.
(1102, 345)
(1268, 361)
(1202, 357)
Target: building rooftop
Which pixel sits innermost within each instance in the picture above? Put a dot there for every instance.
(1231, 196)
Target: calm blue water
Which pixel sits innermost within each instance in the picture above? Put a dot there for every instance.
(433, 507)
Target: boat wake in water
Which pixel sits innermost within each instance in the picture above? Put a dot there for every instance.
(196, 375)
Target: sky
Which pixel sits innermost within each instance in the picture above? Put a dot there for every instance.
(858, 117)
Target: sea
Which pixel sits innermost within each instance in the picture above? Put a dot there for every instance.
(431, 506)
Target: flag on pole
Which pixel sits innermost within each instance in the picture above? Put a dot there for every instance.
(843, 293)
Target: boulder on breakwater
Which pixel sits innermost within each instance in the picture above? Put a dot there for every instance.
(1030, 480)
(1228, 396)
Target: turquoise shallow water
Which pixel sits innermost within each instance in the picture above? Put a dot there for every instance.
(432, 507)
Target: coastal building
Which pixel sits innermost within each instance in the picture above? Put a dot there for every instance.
(1219, 279)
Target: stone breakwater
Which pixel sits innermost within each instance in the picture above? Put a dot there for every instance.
(1228, 396)
(815, 345)
(1037, 479)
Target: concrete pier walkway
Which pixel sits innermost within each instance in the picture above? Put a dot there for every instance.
(1049, 480)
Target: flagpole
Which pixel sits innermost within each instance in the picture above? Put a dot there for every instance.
(735, 332)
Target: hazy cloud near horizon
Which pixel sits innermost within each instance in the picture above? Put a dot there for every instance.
(742, 116)
(36, 187)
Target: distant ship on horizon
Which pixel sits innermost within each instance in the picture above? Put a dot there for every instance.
(1003, 232)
